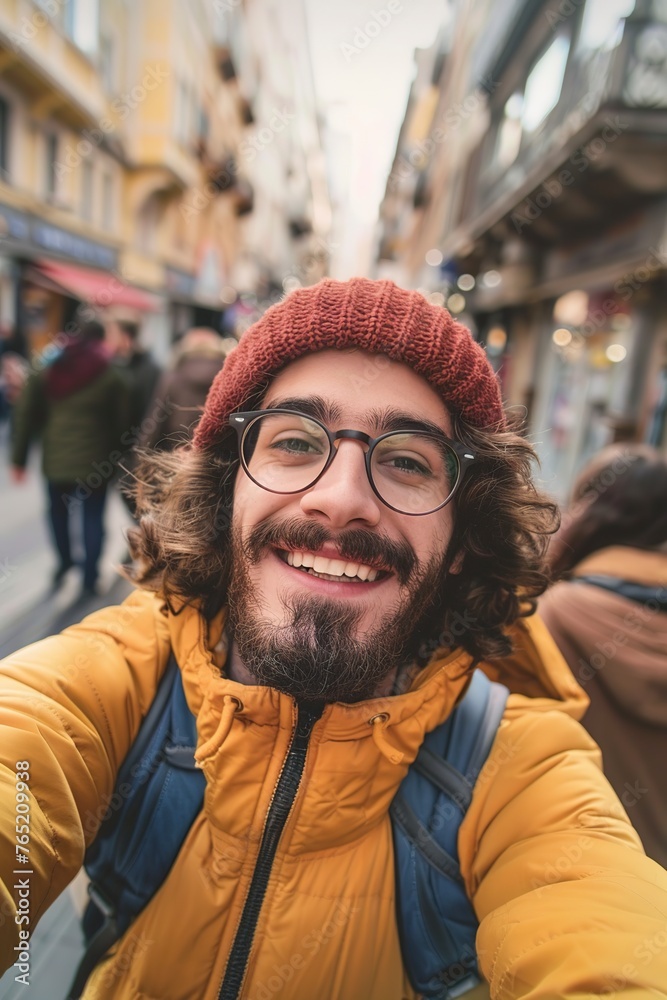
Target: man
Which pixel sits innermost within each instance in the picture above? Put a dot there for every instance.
(353, 530)
(78, 405)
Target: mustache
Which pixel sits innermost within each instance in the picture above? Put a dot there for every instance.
(356, 544)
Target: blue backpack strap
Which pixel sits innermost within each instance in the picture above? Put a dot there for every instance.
(637, 592)
(436, 921)
(159, 792)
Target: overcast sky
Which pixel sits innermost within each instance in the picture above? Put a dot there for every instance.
(363, 66)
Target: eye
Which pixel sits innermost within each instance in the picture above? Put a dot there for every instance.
(406, 463)
(297, 445)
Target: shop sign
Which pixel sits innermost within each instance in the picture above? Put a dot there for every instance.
(13, 224)
(37, 234)
(61, 241)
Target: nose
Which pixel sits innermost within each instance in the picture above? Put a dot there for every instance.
(343, 495)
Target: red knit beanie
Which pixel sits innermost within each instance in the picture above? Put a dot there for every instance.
(374, 316)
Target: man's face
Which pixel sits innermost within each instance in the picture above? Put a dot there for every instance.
(343, 634)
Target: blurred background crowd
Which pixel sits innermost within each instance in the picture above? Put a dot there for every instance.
(170, 169)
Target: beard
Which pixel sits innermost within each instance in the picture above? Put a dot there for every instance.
(315, 654)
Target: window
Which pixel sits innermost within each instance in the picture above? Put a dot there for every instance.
(107, 202)
(509, 132)
(81, 23)
(69, 17)
(4, 138)
(87, 190)
(181, 111)
(601, 26)
(51, 165)
(107, 64)
(544, 84)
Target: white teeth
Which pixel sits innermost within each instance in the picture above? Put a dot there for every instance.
(331, 568)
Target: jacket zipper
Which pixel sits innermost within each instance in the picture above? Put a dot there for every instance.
(283, 798)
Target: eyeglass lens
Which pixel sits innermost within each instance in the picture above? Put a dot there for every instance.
(412, 472)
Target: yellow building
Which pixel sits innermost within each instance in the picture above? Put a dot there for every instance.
(119, 125)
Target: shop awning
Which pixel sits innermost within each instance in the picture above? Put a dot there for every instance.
(99, 288)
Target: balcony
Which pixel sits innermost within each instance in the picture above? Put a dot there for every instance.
(584, 128)
(57, 78)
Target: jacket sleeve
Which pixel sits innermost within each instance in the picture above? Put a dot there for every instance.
(569, 906)
(28, 419)
(70, 707)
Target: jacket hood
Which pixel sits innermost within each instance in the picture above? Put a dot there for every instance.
(79, 363)
(623, 642)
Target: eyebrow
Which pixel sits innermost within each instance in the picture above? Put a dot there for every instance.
(381, 420)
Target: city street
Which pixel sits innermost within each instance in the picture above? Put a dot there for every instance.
(29, 610)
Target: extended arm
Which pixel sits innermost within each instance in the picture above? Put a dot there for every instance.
(569, 906)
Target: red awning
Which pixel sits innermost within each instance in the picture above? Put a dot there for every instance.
(99, 288)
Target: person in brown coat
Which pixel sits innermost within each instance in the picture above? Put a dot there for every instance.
(181, 392)
(608, 615)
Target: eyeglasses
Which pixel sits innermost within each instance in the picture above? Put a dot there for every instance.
(411, 471)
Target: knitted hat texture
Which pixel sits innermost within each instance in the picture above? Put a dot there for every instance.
(374, 316)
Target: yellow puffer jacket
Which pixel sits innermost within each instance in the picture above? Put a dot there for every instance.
(568, 904)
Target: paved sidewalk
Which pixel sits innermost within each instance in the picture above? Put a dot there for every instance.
(29, 611)
(55, 949)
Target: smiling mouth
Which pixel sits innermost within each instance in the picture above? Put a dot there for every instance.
(337, 570)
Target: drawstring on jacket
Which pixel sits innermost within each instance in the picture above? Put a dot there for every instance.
(379, 724)
(230, 706)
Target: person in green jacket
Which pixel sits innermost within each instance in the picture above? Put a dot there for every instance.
(78, 404)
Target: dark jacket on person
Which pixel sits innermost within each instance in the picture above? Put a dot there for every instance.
(79, 406)
(141, 374)
(616, 647)
(180, 396)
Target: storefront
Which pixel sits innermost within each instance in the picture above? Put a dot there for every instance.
(48, 273)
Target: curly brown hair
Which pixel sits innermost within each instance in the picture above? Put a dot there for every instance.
(501, 527)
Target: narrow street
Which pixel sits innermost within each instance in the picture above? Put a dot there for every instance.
(29, 611)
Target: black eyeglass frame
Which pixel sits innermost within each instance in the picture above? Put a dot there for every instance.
(242, 421)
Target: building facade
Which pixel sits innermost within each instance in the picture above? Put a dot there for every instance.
(124, 181)
(541, 201)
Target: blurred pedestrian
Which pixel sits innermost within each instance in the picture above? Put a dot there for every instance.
(608, 614)
(140, 373)
(181, 392)
(137, 366)
(13, 370)
(78, 404)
